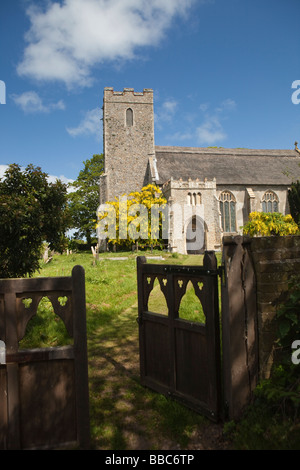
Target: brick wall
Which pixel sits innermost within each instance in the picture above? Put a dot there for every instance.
(275, 259)
(256, 273)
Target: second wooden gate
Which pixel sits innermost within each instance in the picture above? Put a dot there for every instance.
(178, 356)
(44, 396)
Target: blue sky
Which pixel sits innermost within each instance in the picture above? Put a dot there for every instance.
(221, 70)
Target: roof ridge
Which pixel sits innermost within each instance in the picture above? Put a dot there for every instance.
(226, 151)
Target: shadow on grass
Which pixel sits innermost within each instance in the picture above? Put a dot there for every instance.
(124, 414)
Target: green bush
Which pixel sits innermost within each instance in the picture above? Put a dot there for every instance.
(288, 314)
(294, 201)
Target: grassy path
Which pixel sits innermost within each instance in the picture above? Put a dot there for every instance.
(125, 415)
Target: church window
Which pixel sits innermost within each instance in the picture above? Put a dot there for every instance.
(129, 117)
(227, 209)
(193, 199)
(270, 202)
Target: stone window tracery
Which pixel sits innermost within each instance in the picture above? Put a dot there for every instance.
(227, 208)
(194, 199)
(270, 202)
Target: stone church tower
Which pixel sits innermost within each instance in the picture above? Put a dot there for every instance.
(128, 141)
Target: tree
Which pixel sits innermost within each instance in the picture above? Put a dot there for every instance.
(32, 210)
(84, 200)
(294, 201)
(138, 216)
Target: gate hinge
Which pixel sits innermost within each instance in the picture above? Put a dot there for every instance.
(221, 273)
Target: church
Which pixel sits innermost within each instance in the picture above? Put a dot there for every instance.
(210, 191)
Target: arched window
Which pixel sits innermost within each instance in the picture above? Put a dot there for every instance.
(227, 209)
(193, 199)
(270, 202)
(129, 117)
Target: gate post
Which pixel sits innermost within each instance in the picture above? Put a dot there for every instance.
(81, 362)
(239, 325)
(211, 264)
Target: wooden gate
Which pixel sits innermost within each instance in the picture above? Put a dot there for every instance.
(178, 356)
(44, 400)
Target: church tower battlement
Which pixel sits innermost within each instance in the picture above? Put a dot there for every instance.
(128, 141)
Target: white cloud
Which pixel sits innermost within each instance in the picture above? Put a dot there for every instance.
(3, 169)
(226, 105)
(169, 107)
(166, 111)
(50, 178)
(181, 136)
(62, 178)
(211, 130)
(90, 125)
(204, 107)
(67, 39)
(31, 102)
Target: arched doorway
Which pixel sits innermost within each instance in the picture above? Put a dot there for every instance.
(195, 236)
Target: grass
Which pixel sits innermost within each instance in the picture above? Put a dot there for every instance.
(190, 306)
(124, 415)
(45, 329)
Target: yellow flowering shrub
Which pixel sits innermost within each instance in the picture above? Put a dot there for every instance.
(129, 219)
(270, 223)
